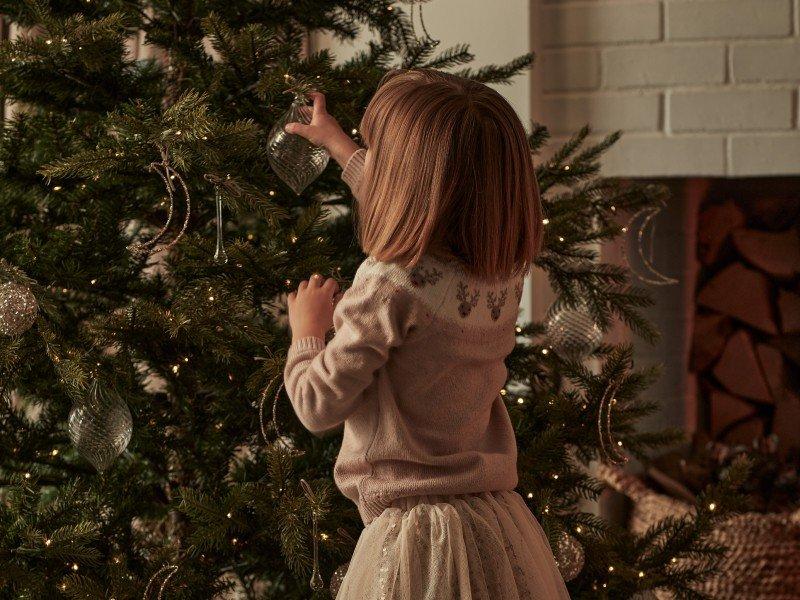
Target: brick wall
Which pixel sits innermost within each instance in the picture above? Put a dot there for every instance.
(700, 87)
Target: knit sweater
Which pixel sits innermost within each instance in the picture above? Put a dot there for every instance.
(414, 371)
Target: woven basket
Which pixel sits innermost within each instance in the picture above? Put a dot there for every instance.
(763, 558)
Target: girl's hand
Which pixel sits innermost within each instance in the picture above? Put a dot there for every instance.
(311, 307)
(325, 131)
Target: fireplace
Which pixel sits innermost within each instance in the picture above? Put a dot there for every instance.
(706, 95)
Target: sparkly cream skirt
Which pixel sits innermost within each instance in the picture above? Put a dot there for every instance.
(485, 546)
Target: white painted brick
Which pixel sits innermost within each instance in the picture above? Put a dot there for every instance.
(571, 70)
(600, 23)
(657, 155)
(731, 110)
(796, 28)
(663, 65)
(660, 156)
(711, 19)
(766, 61)
(765, 155)
(604, 112)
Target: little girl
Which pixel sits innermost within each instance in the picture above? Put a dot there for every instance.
(448, 213)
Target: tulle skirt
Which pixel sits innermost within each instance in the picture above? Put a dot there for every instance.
(485, 546)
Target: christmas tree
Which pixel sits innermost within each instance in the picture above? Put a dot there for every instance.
(146, 446)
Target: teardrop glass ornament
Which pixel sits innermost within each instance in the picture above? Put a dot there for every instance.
(294, 159)
(100, 426)
(220, 256)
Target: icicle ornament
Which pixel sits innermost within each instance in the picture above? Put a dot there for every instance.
(316, 582)
(220, 256)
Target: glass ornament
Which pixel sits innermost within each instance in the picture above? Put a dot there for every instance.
(573, 332)
(18, 308)
(100, 426)
(294, 159)
(569, 556)
(220, 256)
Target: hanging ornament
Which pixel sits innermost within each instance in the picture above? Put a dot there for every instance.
(170, 570)
(569, 556)
(100, 426)
(169, 176)
(220, 256)
(337, 578)
(609, 448)
(416, 6)
(279, 438)
(316, 582)
(18, 308)
(294, 159)
(572, 332)
(643, 235)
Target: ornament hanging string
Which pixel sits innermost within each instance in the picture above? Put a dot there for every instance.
(172, 570)
(168, 175)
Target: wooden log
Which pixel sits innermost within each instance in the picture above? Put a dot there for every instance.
(775, 253)
(741, 293)
(786, 424)
(729, 414)
(771, 365)
(745, 432)
(775, 214)
(739, 371)
(789, 310)
(789, 345)
(711, 332)
(714, 225)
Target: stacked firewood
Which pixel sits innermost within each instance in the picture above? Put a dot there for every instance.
(746, 343)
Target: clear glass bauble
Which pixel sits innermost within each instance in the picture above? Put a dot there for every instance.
(100, 426)
(573, 332)
(294, 159)
(18, 308)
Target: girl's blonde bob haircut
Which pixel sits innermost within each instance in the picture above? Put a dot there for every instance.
(449, 171)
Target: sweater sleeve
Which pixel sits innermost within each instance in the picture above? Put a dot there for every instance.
(325, 382)
(353, 171)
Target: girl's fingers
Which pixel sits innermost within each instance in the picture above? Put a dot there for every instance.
(292, 297)
(303, 285)
(319, 102)
(299, 129)
(316, 280)
(331, 285)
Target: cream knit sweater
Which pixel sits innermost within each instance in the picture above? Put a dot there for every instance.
(414, 372)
